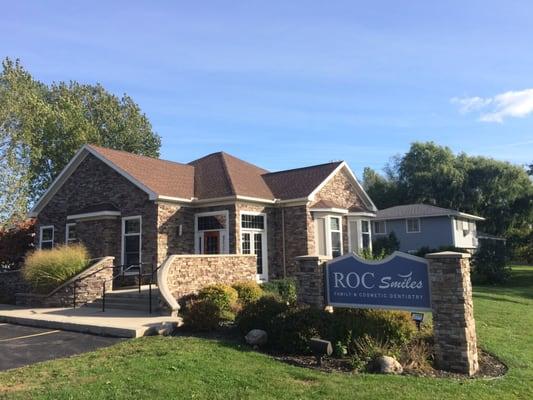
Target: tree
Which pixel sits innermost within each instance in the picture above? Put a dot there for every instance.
(42, 126)
(497, 190)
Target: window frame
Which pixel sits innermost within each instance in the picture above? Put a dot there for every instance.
(67, 231)
(124, 234)
(384, 227)
(264, 245)
(407, 225)
(330, 232)
(199, 234)
(41, 229)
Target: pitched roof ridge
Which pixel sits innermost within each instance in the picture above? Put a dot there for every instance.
(96, 147)
(226, 172)
(307, 167)
(224, 154)
(204, 157)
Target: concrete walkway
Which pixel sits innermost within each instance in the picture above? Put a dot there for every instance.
(112, 322)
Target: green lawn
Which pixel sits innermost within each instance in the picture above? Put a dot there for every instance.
(183, 368)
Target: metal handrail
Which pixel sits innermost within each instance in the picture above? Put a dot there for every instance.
(84, 277)
(122, 274)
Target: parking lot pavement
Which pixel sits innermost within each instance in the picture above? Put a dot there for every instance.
(23, 345)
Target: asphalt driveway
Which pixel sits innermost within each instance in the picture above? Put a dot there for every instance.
(23, 345)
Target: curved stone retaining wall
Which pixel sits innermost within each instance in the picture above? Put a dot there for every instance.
(183, 275)
(88, 286)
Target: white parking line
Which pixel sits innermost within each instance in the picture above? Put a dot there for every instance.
(28, 336)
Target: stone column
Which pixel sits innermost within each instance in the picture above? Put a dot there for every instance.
(310, 277)
(453, 312)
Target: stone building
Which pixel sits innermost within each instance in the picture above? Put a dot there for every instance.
(141, 210)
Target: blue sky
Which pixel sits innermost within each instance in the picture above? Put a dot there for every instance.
(290, 83)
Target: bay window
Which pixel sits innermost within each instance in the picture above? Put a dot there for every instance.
(328, 235)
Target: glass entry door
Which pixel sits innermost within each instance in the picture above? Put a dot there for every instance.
(255, 243)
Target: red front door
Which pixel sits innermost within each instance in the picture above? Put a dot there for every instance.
(211, 242)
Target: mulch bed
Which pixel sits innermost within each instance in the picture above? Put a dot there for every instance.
(489, 366)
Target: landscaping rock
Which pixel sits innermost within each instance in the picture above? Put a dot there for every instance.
(256, 337)
(386, 365)
(166, 329)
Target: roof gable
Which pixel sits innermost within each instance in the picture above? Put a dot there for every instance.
(300, 182)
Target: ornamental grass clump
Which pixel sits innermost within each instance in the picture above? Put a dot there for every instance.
(48, 269)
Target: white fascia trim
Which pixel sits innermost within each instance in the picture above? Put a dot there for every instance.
(235, 198)
(359, 187)
(361, 214)
(174, 199)
(94, 214)
(292, 202)
(330, 210)
(470, 216)
(59, 181)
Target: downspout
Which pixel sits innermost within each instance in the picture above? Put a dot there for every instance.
(283, 241)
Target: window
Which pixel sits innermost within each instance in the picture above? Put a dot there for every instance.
(249, 221)
(46, 237)
(413, 225)
(131, 241)
(365, 234)
(380, 227)
(211, 222)
(211, 232)
(254, 241)
(71, 235)
(336, 236)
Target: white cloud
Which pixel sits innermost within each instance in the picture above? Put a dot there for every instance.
(512, 104)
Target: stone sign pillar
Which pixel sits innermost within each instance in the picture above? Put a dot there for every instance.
(453, 312)
(310, 275)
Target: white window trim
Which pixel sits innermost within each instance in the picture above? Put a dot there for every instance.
(359, 222)
(41, 235)
(224, 237)
(327, 233)
(384, 226)
(407, 225)
(264, 276)
(124, 219)
(67, 231)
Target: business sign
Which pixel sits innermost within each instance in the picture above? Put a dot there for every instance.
(400, 281)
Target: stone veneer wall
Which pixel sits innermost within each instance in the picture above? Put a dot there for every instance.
(88, 285)
(453, 312)
(11, 283)
(169, 217)
(310, 279)
(187, 274)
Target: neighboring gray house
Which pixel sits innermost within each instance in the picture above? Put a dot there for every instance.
(421, 225)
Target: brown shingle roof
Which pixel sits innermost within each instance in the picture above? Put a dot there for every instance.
(217, 175)
(300, 182)
(165, 178)
(220, 174)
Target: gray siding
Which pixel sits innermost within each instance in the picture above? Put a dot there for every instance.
(434, 233)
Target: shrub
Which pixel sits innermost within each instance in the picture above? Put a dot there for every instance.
(489, 263)
(248, 292)
(386, 244)
(47, 269)
(223, 297)
(15, 242)
(368, 348)
(284, 288)
(292, 330)
(201, 315)
(260, 314)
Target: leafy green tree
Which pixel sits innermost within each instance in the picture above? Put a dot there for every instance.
(42, 126)
(497, 190)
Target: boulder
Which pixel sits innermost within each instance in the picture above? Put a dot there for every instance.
(386, 365)
(256, 337)
(166, 329)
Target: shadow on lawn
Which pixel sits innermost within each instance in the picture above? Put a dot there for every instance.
(520, 285)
